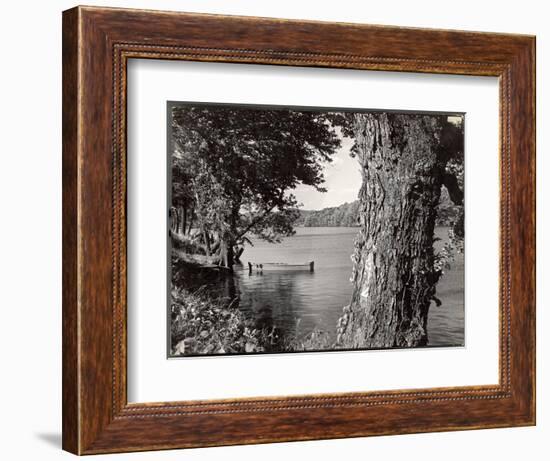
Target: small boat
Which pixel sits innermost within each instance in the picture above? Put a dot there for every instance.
(261, 267)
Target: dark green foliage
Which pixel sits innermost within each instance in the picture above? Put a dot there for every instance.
(202, 325)
(187, 244)
(235, 169)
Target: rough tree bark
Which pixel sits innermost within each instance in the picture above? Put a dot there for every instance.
(393, 276)
(226, 254)
(229, 251)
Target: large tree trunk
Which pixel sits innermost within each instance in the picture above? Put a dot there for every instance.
(227, 254)
(394, 276)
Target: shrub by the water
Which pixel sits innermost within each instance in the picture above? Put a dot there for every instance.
(204, 326)
(186, 244)
(317, 340)
(201, 325)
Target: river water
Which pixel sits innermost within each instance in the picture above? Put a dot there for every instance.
(301, 301)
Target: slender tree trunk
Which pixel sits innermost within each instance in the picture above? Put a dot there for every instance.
(191, 221)
(238, 252)
(174, 219)
(206, 239)
(228, 256)
(179, 220)
(202, 226)
(184, 220)
(393, 276)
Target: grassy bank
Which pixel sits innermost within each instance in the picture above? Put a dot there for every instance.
(202, 325)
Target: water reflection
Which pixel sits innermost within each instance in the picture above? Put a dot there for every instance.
(299, 301)
(275, 299)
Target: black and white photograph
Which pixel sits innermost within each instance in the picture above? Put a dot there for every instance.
(266, 231)
(308, 229)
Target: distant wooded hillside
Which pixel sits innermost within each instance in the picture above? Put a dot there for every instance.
(347, 214)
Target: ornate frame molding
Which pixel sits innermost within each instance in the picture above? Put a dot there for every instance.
(97, 43)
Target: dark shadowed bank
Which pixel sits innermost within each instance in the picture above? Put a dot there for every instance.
(205, 324)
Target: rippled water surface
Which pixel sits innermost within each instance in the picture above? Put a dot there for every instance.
(302, 301)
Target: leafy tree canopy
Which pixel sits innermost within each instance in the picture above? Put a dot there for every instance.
(250, 159)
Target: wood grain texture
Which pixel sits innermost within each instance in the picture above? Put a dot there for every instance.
(97, 42)
(70, 391)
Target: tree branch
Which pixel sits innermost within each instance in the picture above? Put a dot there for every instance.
(262, 216)
(255, 221)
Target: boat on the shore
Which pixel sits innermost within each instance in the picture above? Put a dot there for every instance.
(265, 267)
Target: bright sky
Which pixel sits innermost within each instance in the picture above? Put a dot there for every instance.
(342, 179)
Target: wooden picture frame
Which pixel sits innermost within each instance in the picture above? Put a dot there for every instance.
(97, 43)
